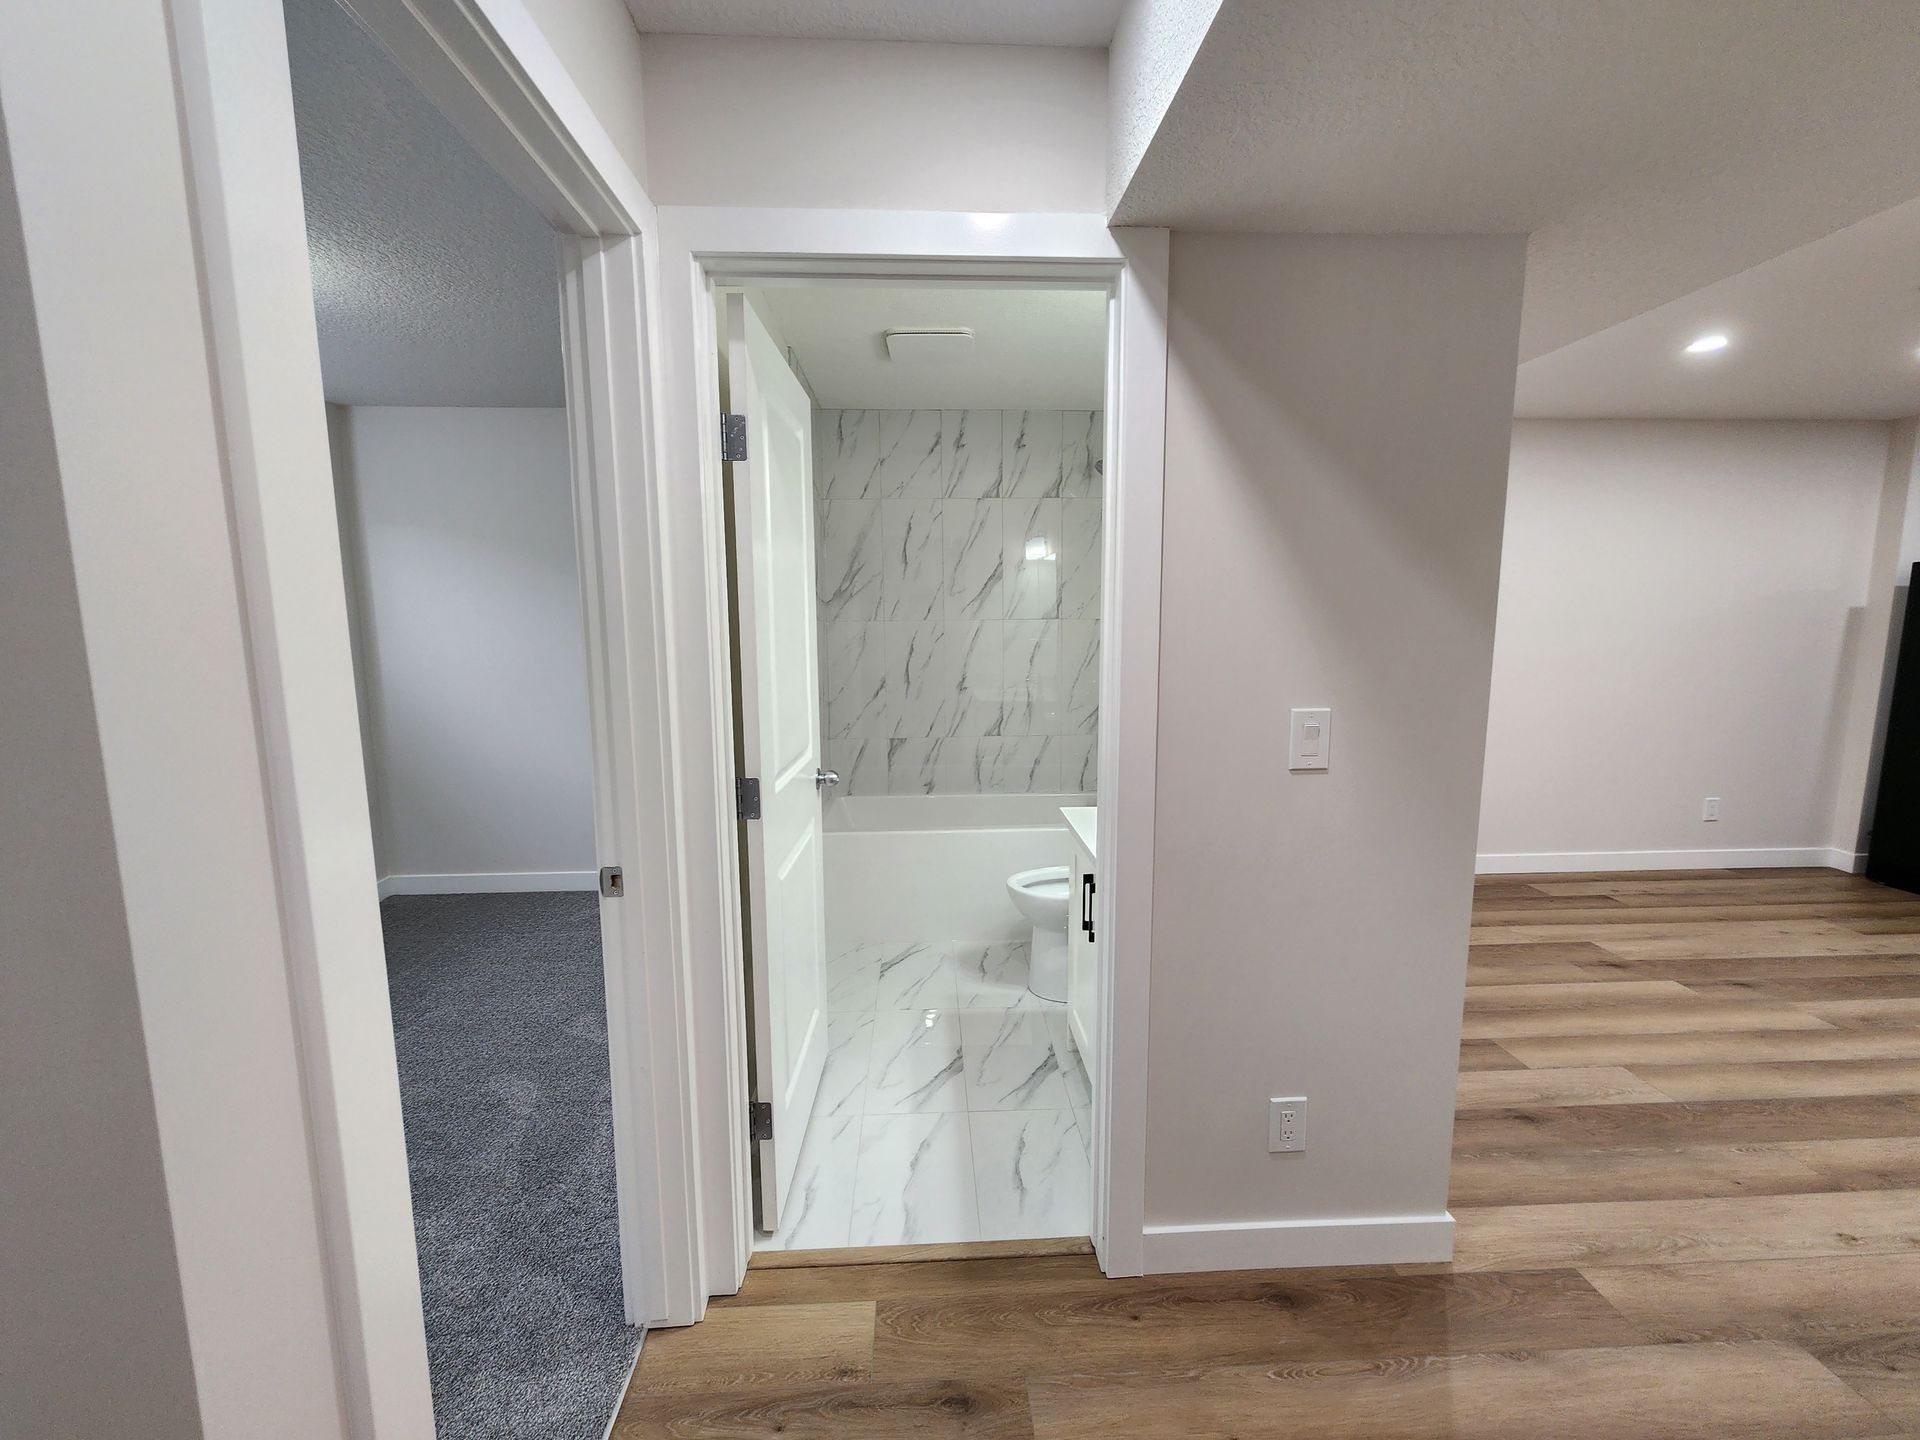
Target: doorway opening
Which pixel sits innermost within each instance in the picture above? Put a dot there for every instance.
(438, 310)
(915, 500)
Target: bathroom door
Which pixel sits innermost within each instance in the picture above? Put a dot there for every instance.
(779, 746)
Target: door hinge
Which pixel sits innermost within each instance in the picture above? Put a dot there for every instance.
(733, 437)
(746, 795)
(613, 881)
(760, 1120)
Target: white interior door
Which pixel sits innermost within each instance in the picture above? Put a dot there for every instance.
(779, 699)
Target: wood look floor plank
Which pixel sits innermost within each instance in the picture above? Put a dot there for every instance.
(1864, 1013)
(1727, 1122)
(1722, 1047)
(1761, 1390)
(1784, 1078)
(1487, 1055)
(785, 1345)
(1660, 1232)
(1689, 970)
(1573, 994)
(1810, 987)
(1766, 1299)
(1168, 1324)
(918, 1410)
(1889, 1163)
(1598, 1085)
(1674, 1172)
(1647, 1018)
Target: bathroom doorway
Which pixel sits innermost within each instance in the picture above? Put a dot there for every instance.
(917, 522)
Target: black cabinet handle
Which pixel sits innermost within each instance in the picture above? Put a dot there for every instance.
(1086, 904)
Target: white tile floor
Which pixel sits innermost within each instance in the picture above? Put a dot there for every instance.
(953, 1107)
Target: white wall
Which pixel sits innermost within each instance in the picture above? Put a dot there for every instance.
(1686, 608)
(1338, 412)
(596, 42)
(176, 919)
(875, 125)
(469, 638)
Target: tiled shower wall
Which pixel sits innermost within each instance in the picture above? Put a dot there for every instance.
(959, 575)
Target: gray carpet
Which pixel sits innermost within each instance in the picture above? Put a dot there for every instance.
(500, 1020)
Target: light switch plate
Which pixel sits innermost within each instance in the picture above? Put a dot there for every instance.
(1309, 739)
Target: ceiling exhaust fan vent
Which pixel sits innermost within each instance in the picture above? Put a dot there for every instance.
(924, 347)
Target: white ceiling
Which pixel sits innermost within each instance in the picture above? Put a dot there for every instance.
(1650, 147)
(980, 22)
(1828, 331)
(434, 283)
(1032, 349)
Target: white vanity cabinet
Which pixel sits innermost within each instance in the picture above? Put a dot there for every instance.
(1083, 943)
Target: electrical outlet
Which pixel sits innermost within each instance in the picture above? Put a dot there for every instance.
(1710, 808)
(1287, 1124)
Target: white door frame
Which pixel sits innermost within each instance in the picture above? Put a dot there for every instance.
(488, 67)
(704, 247)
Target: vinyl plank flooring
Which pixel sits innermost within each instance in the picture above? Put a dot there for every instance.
(1687, 1183)
(1277, 1317)
(1760, 1390)
(1729, 1122)
(1656, 1232)
(1676, 1172)
(1720, 1048)
(919, 1410)
(1659, 1017)
(1787, 1078)
(773, 1345)
(1599, 1085)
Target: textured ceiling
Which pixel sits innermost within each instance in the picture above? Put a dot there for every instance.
(433, 283)
(1828, 331)
(1032, 350)
(1649, 147)
(979, 22)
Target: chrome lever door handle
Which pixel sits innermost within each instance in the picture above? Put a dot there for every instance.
(823, 778)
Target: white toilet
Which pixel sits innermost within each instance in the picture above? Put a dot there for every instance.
(1041, 896)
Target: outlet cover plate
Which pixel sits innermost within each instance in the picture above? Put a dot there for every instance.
(1287, 1124)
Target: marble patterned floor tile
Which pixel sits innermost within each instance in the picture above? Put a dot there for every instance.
(843, 1083)
(1010, 1060)
(916, 1064)
(818, 1214)
(912, 976)
(1031, 1174)
(915, 1181)
(991, 976)
(853, 978)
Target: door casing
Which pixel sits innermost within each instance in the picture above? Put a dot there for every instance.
(706, 249)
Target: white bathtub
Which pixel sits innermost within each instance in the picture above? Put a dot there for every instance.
(935, 867)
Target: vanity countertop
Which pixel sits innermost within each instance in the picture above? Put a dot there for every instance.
(1081, 820)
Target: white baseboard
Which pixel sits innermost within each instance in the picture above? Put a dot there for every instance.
(1290, 1244)
(1781, 857)
(489, 882)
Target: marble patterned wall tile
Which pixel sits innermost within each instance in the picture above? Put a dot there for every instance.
(1030, 677)
(1020, 765)
(861, 762)
(1030, 447)
(862, 699)
(913, 560)
(934, 767)
(848, 560)
(973, 453)
(848, 455)
(914, 455)
(1082, 442)
(1080, 676)
(947, 675)
(1080, 559)
(1079, 763)
(1033, 558)
(974, 541)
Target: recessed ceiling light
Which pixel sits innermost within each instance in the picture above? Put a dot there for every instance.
(1706, 344)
